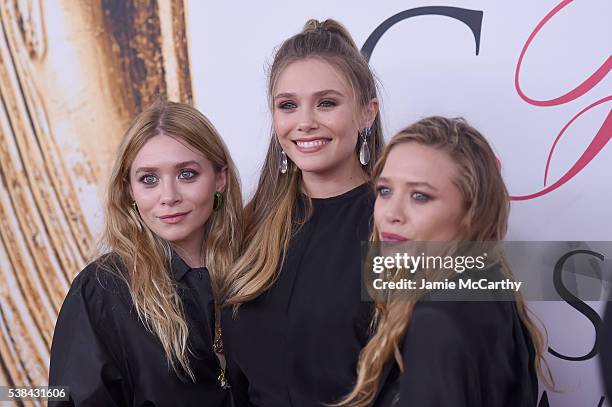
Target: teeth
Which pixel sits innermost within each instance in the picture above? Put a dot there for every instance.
(313, 143)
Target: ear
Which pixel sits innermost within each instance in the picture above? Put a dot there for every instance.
(371, 110)
(221, 179)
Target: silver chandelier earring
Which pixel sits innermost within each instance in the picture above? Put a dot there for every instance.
(284, 164)
(364, 150)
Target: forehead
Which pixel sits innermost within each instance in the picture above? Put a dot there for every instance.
(415, 162)
(311, 75)
(163, 150)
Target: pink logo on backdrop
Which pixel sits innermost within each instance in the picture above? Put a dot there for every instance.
(603, 135)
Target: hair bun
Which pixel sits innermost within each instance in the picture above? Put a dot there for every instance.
(329, 26)
(314, 25)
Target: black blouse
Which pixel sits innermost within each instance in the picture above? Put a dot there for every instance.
(298, 343)
(107, 357)
(463, 354)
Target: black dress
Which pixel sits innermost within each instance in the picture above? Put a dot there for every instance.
(463, 354)
(298, 343)
(106, 356)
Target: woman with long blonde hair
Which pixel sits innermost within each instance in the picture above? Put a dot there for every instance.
(438, 181)
(294, 323)
(138, 324)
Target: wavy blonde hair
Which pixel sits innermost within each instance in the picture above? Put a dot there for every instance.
(147, 257)
(270, 214)
(487, 206)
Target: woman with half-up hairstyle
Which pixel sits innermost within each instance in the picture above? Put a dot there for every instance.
(294, 323)
(138, 325)
(438, 181)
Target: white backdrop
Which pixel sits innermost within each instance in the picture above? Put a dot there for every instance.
(427, 65)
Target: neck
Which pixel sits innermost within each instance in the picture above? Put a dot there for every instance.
(334, 182)
(190, 252)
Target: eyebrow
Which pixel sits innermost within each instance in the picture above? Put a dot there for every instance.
(176, 166)
(320, 93)
(412, 184)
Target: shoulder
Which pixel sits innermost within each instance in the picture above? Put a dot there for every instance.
(365, 195)
(100, 281)
(358, 207)
(460, 325)
(435, 322)
(97, 301)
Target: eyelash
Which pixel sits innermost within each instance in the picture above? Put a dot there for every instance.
(191, 177)
(379, 191)
(424, 197)
(325, 104)
(144, 177)
(287, 105)
(420, 197)
(329, 103)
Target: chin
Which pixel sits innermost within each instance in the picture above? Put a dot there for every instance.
(315, 166)
(172, 235)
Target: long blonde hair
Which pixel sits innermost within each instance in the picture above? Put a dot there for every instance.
(147, 257)
(270, 214)
(487, 209)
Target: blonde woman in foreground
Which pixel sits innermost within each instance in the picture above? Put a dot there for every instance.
(438, 180)
(295, 323)
(138, 324)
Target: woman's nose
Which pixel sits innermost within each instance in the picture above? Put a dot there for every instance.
(307, 120)
(170, 195)
(395, 210)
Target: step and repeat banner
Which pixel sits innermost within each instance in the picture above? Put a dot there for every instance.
(533, 76)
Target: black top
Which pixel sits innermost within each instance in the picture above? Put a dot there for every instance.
(298, 343)
(463, 354)
(103, 352)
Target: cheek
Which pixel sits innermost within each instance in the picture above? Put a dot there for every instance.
(282, 125)
(344, 124)
(427, 222)
(202, 193)
(204, 207)
(449, 223)
(350, 139)
(283, 130)
(205, 201)
(145, 197)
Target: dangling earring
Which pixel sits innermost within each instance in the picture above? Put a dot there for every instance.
(364, 150)
(218, 204)
(133, 205)
(284, 164)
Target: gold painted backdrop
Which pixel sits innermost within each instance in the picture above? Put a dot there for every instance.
(72, 75)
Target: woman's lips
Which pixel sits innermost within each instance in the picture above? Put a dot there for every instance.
(173, 218)
(311, 146)
(392, 237)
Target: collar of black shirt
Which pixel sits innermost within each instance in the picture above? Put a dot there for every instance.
(180, 268)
